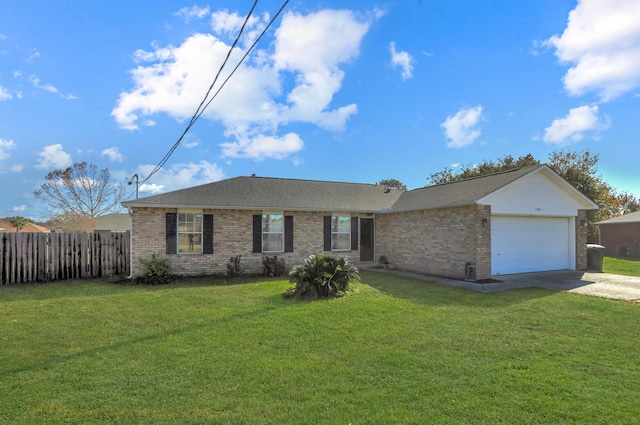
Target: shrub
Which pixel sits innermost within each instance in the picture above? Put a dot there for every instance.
(233, 266)
(157, 270)
(321, 276)
(272, 266)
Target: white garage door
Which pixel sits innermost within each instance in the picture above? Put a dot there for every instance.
(529, 244)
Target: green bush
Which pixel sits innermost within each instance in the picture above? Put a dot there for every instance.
(272, 266)
(157, 270)
(321, 276)
(233, 266)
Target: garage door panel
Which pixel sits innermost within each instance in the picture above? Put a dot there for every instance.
(529, 244)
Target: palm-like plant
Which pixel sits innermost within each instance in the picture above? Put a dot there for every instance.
(321, 276)
(19, 222)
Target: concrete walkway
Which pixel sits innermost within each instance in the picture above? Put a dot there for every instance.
(602, 285)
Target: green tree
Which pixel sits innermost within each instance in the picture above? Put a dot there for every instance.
(81, 190)
(392, 184)
(19, 222)
(482, 169)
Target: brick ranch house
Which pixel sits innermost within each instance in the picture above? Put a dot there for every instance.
(523, 220)
(621, 235)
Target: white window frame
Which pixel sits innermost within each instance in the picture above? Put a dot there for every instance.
(193, 228)
(336, 230)
(270, 232)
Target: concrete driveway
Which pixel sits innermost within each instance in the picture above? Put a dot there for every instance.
(602, 285)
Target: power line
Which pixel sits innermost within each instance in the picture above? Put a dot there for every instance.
(200, 110)
(246, 54)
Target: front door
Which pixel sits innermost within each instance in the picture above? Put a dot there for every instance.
(366, 239)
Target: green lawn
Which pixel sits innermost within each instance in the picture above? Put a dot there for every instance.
(621, 266)
(396, 351)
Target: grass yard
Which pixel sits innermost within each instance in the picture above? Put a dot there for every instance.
(397, 351)
(621, 266)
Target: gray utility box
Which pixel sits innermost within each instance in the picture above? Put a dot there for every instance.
(595, 257)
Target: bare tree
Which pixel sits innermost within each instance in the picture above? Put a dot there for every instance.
(81, 190)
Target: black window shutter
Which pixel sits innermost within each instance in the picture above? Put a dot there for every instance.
(207, 234)
(354, 233)
(257, 233)
(327, 233)
(288, 233)
(172, 233)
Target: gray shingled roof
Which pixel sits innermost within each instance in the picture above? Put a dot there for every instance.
(633, 217)
(278, 194)
(463, 192)
(262, 193)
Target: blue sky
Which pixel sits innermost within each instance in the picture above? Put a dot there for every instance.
(348, 91)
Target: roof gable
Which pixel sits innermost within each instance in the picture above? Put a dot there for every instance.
(540, 191)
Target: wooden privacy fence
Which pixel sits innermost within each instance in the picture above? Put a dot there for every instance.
(41, 257)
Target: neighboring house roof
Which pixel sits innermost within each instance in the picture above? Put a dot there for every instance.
(6, 226)
(311, 195)
(116, 222)
(633, 217)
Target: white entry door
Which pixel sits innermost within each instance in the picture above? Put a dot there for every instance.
(530, 244)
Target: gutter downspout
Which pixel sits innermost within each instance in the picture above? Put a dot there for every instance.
(130, 212)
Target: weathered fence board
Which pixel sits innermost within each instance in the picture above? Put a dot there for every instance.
(40, 257)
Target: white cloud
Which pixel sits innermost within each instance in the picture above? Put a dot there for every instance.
(47, 87)
(227, 25)
(312, 47)
(53, 156)
(18, 208)
(308, 50)
(403, 60)
(264, 147)
(16, 168)
(5, 94)
(5, 147)
(194, 11)
(378, 13)
(179, 176)
(34, 55)
(572, 128)
(113, 154)
(223, 22)
(602, 43)
(462, 128)
(35, 81)
(151, 188)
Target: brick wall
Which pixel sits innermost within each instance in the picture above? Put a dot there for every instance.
(621, 239)
(438, 242)
(581, 240)
(483, 241)
(232, 236)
